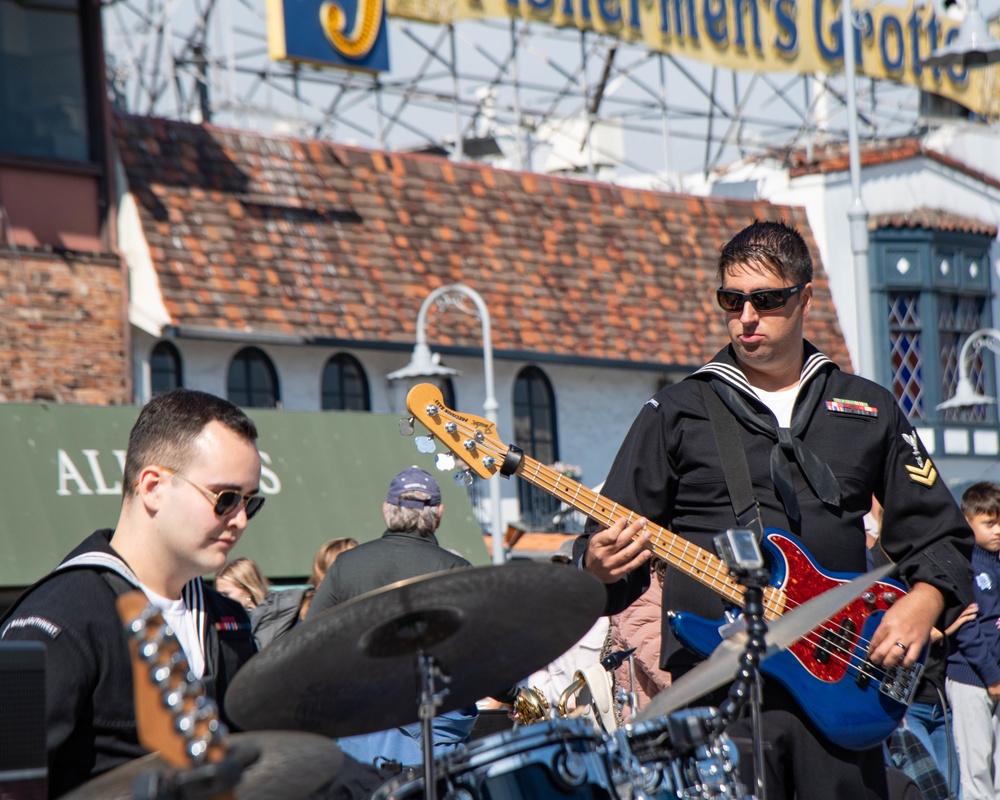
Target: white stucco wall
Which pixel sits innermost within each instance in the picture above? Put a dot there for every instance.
(594, 406)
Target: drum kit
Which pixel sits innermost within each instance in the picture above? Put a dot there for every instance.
(433, 644)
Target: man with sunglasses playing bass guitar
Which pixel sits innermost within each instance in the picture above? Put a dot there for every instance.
(818, 443)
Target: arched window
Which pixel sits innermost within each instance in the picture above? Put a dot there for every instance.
(345, 385)
(252, 381)
(535, 433)
(165, 368)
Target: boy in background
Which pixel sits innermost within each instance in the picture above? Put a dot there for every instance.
(973, 670)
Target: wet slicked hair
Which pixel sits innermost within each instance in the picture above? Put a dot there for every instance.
(168, 426)
(768, 246)
(981, 498)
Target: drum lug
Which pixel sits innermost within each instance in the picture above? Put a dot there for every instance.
(571, 768)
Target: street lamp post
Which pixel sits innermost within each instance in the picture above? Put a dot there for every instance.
(857, 215)
(422, 366)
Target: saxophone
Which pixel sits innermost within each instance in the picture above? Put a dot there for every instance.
(530, 705)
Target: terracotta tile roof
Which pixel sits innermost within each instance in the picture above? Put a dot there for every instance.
(304, 237)
(834, 158)
(932, 219)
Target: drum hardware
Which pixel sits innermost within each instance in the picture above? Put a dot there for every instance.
(739, 549)
(429, 702)
(554, 758)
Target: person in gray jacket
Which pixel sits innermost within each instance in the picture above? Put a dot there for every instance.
(408, 549)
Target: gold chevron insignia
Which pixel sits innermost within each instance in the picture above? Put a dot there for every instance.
(925, 475)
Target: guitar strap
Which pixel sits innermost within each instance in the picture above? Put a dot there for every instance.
(734, 462)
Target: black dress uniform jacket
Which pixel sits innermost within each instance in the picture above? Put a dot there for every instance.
(669, 470)
(90, 710)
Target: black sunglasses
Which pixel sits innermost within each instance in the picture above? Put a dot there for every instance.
(226, 501)
(762, 300)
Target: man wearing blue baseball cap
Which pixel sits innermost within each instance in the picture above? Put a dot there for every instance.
(408, 549)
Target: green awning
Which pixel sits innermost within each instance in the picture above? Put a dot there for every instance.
(324, 473)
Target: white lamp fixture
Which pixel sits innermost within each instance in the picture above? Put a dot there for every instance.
(424, 364)
(974, 46)
(965, 393)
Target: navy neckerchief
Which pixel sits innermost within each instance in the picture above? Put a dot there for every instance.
(737, 394)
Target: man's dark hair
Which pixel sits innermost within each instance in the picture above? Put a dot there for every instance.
(771, 246)
(981, 498)
(168, 426)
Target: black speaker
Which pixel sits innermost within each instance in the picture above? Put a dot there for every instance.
(23, 762)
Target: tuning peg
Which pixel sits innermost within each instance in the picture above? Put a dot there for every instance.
(444, 462)
(406, 426)
(463, 478)
(425, 444)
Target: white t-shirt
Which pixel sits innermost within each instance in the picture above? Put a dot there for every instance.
(780, 403)
(185, 626)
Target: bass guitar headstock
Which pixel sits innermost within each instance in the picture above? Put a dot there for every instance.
(174, 715)
(472, 439)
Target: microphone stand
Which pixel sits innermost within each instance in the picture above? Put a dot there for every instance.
(747, 686)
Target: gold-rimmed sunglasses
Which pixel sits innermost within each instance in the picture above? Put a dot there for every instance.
(226, 501)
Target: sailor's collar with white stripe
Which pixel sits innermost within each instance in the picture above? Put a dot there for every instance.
(192, 593)
(724, 367)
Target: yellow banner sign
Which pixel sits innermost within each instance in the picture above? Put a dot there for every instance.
(753, 35)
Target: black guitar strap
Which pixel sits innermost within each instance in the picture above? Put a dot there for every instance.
(734, 462)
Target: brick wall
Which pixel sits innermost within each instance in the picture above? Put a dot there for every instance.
(63, 335)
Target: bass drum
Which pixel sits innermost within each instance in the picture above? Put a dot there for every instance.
(551, 759)
(682, 756)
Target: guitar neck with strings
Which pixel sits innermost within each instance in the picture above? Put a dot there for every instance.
(855, 702)
(474, 440)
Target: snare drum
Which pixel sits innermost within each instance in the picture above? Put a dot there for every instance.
(555, 758)
(682, 756)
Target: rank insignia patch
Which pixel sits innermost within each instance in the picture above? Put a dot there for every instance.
(859, 407)
(924, 473)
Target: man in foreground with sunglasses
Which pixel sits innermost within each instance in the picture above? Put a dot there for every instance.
(191, 482)
(818, 443)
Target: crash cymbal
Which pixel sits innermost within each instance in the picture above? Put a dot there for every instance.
(720, 668)
(352, 669)
(288, 764)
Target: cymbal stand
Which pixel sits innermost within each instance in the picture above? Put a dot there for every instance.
(747, 686)
(430, 701)
(204, 781)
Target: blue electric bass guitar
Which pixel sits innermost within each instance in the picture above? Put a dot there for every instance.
(854, 702)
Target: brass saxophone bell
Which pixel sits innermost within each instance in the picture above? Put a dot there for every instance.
(530, 705)
(579, 682)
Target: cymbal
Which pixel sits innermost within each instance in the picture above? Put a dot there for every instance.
(720, 668)
(290, 765)
(352, 669)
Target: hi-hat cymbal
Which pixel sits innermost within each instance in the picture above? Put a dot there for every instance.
(353, 668)
(289, 765)
(720, 668)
